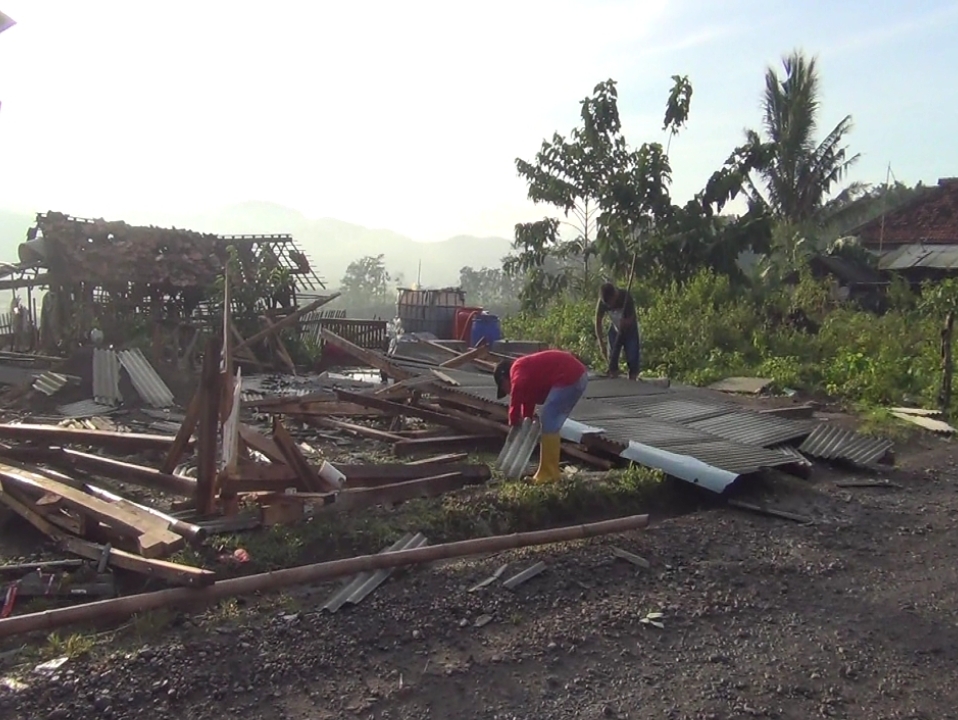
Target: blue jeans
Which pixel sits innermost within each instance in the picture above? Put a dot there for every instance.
(559, 404)
(632, 346)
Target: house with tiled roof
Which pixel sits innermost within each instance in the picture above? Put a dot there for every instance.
(918, 240)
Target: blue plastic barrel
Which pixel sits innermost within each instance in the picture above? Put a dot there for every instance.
(485, 326)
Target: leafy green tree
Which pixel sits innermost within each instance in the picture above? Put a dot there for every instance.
(635, 221)
(491, 288)
(366, 282)
(801, 174)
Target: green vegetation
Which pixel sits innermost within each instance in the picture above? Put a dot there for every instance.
(706, 313)
(501, 508)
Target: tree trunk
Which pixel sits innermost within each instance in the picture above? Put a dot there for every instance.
(947, 364)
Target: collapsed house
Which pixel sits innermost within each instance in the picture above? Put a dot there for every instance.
(115, 277)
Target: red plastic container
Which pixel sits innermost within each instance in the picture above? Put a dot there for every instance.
(463, 324)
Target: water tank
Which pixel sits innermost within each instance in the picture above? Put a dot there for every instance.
(464, 318)
(485, 326)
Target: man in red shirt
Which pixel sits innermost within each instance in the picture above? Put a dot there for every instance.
(554, 379)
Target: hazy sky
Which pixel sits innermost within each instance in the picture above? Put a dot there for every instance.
(409, 115)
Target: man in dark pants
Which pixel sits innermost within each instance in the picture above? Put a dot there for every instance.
(623, 329)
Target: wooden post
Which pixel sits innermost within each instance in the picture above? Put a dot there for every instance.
(208, 427)
(947, 364)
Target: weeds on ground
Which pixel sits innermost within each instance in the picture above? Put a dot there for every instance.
(705, 329)
(495, 509)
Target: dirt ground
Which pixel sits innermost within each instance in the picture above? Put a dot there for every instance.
(851, 616)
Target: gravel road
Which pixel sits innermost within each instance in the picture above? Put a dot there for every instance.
(851, 616)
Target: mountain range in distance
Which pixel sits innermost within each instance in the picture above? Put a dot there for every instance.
(330, 244)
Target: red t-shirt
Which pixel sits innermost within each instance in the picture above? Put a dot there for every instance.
(533, 376)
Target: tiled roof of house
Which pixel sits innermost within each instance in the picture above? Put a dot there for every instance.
(930, 218)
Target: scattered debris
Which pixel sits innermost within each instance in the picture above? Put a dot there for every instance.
(742, 385)
(489, 580)
(631, 557)
(654, 619)
(764, 510)
(866, 483)
(527, 574)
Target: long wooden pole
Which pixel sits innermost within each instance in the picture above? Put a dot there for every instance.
(119, 608)
(286, 321)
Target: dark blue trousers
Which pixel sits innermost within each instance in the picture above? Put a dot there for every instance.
(632, 347)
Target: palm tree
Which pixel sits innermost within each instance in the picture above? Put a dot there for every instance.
(800, 175)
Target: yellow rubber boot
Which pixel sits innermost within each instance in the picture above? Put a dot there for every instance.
(548, 471)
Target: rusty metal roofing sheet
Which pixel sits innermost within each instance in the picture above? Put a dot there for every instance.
(830, 442)
(752, 428)
(84, 409)
(148, 384)
(106, 377)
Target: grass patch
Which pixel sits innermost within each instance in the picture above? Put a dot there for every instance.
(494, 509)
(879, 422)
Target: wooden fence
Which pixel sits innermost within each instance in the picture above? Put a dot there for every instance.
(367, 334)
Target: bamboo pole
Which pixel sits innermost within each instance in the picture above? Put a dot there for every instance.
(120, 608)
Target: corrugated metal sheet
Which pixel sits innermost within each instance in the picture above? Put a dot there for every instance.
(682, 410)
(797, 457)
(830, 442)
(50, 383)
(106, 377)
(148, 384)
(691, 433)
(905, 257)
(650, 431)
(84, 409)
(600, 388)
(359, 586)
(517, 450)
(752, 428)
(733, 457)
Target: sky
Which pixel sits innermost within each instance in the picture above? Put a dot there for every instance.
(410, 115)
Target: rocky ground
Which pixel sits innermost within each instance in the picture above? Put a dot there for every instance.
(851, 616)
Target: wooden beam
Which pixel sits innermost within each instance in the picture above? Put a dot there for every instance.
(58, 436)
(183, 435)
(468, 443)
(373, 359)
(477, 353)
(208, 428)
(121, 519)
(286, 321)
(294, 458)
(170, 572)
(361, 430)
(261, 444)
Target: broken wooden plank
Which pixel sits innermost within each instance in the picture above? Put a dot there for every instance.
(182, 440)
(353, 499)
(469, 443)
(440, 459)
(286, 321)
(208, 427)
(367, 357)
(262, 444)
(477, 353)
(360, 430)
(170, 572)
(580, 453)
(271, 477)
(429, 413)
(119, 470)
(121, 519)
(294, 458)
(57, 436)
